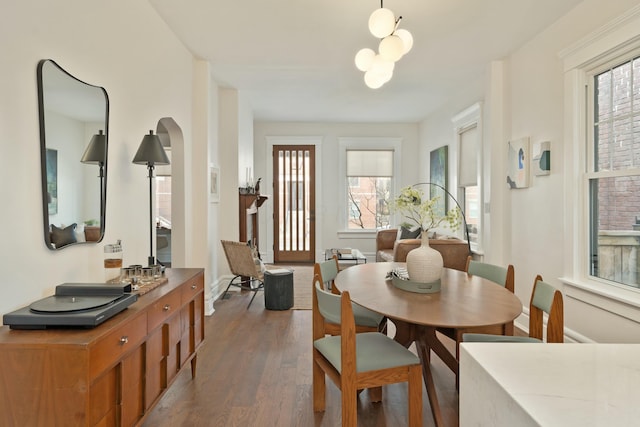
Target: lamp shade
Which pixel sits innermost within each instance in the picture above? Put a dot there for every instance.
(151, 151)
(96, 151)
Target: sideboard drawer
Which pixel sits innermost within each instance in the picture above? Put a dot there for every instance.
(166, 306)
(191, 288)
(115, 345)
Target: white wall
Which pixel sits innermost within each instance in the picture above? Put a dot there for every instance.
(327, 212)
(524, 97)
(233, 154)
(147, 74)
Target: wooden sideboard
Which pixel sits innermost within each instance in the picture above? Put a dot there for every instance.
(111, 375)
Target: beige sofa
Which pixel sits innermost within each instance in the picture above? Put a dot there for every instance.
(454, 251)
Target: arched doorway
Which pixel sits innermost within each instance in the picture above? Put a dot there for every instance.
(170, 197)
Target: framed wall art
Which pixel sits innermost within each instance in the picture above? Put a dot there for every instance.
(518, 163)
(541, 158)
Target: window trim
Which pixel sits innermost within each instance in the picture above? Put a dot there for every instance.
(364, 143)
(466, 119)
(614, 41)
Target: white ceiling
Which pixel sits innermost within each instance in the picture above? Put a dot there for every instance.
(293, 59)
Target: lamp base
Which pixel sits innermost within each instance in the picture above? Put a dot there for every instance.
(152, 261)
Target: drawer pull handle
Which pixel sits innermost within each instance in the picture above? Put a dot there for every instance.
(194, 286)
(167, 307)
(124, 340)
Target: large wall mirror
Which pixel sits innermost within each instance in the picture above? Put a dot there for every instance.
(74, 129)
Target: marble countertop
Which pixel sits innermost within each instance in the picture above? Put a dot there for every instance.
(550, 384)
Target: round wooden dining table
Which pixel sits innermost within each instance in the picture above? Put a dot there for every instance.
(463, 301)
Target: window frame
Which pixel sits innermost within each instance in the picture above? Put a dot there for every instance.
(364, 143)
(612, 42)
(469, 118)
(590, 172)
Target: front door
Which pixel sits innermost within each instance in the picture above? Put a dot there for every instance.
(294, 203)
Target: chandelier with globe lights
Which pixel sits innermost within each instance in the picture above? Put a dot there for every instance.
(394, 44)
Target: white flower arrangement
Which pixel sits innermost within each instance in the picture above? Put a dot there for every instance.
(421, 212)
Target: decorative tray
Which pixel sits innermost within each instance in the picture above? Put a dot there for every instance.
(142, 288)
(400, 280)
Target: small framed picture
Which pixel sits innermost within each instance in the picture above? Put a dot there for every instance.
(214, 184)
(518, 163)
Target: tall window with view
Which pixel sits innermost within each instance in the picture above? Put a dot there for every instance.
(469, 189)
(369, 180)
(614, 175)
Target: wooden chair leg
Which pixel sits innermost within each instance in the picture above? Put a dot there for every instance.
(415, 396)
(319, 388)
(349, 404)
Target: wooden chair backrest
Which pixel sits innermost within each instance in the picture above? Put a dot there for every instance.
(497, 274)
(546, 299)
(317, 319)
(240, 259)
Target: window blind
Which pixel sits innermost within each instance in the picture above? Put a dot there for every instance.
(376, 163)
(468, 170)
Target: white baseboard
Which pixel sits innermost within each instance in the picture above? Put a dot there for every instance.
(208, 306)
(216, 288)
(570, 336)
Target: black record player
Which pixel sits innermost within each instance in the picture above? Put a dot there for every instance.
(73, 305)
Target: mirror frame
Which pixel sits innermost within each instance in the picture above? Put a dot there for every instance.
(43, 155)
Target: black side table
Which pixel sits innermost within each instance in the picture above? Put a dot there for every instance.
(278, 289)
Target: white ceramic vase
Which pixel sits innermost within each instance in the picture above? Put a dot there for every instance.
(424, 264)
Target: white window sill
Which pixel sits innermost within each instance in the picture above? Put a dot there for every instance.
(618, 299)
(357, 234)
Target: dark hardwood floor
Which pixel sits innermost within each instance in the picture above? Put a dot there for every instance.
(254, 369)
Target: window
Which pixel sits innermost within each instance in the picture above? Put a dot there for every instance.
(367, 168)
(468, 133)
(369, 174)
(613, 176)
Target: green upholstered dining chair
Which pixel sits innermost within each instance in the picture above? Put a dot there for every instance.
(357, 361)
(497, 274)
(366, 320)
(544, 299)
(327, 270)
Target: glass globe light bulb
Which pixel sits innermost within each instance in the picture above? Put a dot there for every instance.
(407, 39)
(373, 80)
(364, 59)
(381, 65)
(386, 76)
(391, 48)
(382, 22)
